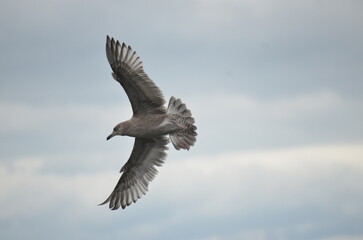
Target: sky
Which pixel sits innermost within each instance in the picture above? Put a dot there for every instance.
(275, 88)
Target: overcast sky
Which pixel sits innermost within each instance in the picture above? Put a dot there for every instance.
(276, 90)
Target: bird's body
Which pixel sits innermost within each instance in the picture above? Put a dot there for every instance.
(150, 124)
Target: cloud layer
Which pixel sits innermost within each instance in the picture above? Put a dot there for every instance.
(295, 193)
(275, 88)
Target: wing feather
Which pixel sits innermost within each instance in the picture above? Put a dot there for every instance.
(138, 171)
(145, 97)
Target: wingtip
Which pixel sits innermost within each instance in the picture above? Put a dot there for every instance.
(108, 39)
(106, 201)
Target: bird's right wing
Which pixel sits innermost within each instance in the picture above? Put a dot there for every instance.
(138, 171)
(145, 97)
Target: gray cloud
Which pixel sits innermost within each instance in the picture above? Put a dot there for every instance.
(261, 48)
(281, 74)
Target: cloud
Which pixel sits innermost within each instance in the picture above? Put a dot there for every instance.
(275, 88)
(273, 194)
(40, 115)
(247, 122)
(244, 46)
(303, 166)
(244, 122)
(23, 117)
(343, 238)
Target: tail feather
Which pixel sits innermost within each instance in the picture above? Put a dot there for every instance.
(184, 138)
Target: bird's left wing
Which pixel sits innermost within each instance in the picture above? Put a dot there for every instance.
(138, 171)
(145, 97)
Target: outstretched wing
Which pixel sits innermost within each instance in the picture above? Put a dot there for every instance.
(138, 171)
(144, 95)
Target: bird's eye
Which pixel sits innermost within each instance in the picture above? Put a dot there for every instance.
(115, 129)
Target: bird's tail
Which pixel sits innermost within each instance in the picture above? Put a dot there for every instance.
(186, 136)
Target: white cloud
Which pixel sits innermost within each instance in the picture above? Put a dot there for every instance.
(249, 122)
(27, 191)
(243, 121)
(239, 103)
(235, 186)
(297, 175)
(17, 116)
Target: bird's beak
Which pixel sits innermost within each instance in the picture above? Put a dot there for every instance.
(110, 136)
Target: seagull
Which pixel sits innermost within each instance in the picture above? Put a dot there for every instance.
(152, 125)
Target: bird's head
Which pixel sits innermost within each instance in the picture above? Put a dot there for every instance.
(119, 129)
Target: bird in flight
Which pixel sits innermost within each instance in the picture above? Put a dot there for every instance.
(150, 125)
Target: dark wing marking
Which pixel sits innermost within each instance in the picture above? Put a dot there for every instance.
(144, 95)
(138, 171)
